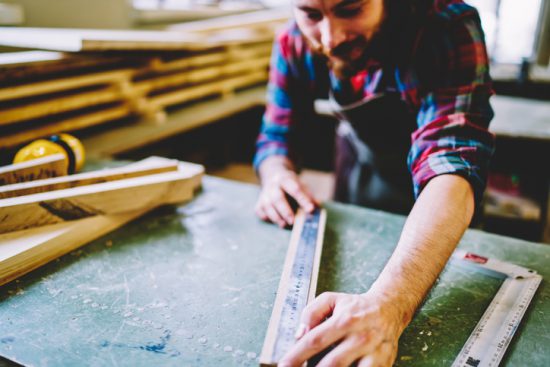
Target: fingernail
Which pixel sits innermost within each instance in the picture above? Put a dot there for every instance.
(301, 331)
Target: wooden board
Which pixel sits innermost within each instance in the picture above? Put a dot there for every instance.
(98, 199)
(49, 166)
(61, 84)
(24, 251)
(72, 122)
(33, 65)
(148, 166)
(247, 20)
(53, 106)
(78, 40)
(121, 139)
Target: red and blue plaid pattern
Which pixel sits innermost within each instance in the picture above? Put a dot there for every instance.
(453, 113)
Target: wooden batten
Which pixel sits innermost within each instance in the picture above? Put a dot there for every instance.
(148, 166)
(98, 199)
(26, 250)
(50, 166)
(73, 122)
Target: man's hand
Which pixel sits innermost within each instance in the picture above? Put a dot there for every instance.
(366, 327)
(278, 180)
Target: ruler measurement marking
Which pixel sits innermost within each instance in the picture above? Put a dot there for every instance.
(485, 346)
(297, 286)
(493, 333)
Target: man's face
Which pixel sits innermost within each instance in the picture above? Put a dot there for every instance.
(340, 29)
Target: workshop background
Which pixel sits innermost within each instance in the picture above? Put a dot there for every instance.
(144, 96)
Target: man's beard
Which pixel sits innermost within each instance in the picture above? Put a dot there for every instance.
(343, 60)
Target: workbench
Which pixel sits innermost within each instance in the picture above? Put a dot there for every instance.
(194, 285)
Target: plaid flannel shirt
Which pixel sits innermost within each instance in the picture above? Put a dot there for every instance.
(452, 115)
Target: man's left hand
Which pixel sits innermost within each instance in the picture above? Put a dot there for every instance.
(366, 326)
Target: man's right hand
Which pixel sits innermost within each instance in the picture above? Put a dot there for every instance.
(278, 180)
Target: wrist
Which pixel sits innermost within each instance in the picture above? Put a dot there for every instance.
(400, 304)
(274, 166)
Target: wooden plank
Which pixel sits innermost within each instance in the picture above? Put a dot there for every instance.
(72, 123)
(61, 84)
(201, 75)
(61, 104)
(228, 54)
(99, 199)
(77, 40)
(203, 90)
(121, 139)
(111, 113)
(253, 27)
(24, 251)
(266, 356)
(45, 167)
(247, 20)
(145, 167)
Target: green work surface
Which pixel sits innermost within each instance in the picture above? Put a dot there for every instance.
(194, 286)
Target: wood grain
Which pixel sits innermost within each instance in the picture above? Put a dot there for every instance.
(45, 167)
(98, 199)
(148, 166)
(24, 251)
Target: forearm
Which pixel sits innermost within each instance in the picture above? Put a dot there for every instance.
(434, 227)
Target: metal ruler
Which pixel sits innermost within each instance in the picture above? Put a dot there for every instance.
(297, 286)
(484, 348)
(488, 341)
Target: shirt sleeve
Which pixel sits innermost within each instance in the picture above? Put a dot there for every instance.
(279, 119)
(454, 116)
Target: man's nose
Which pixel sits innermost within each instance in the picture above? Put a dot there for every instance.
(332, 34)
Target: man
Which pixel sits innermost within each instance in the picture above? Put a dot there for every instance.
(409, 81)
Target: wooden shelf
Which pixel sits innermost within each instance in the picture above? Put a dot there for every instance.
(117, 140)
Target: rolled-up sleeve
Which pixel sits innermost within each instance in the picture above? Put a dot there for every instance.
(278, 119)
(452, 135)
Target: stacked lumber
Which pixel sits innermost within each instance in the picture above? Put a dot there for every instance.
(46, 218)
(144, 74)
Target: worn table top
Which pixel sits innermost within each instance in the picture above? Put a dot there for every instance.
(194, 286)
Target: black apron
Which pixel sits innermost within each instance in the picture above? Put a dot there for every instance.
(372, 143)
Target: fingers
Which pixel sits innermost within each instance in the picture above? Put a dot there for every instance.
(273, 205)
(320, 336)
(274, 216)
(301, 195)
(347, 352)
(318, 310)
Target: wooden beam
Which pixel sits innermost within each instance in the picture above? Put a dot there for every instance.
(121, 139)
(50, 166)
(98, 199)
(204, 90)
(27, 65)
(213, 74)
(24, 251)
(71, 123)
(64, 83)
(77, 40)
(248, 20)
(52, 106)
(148, 166)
